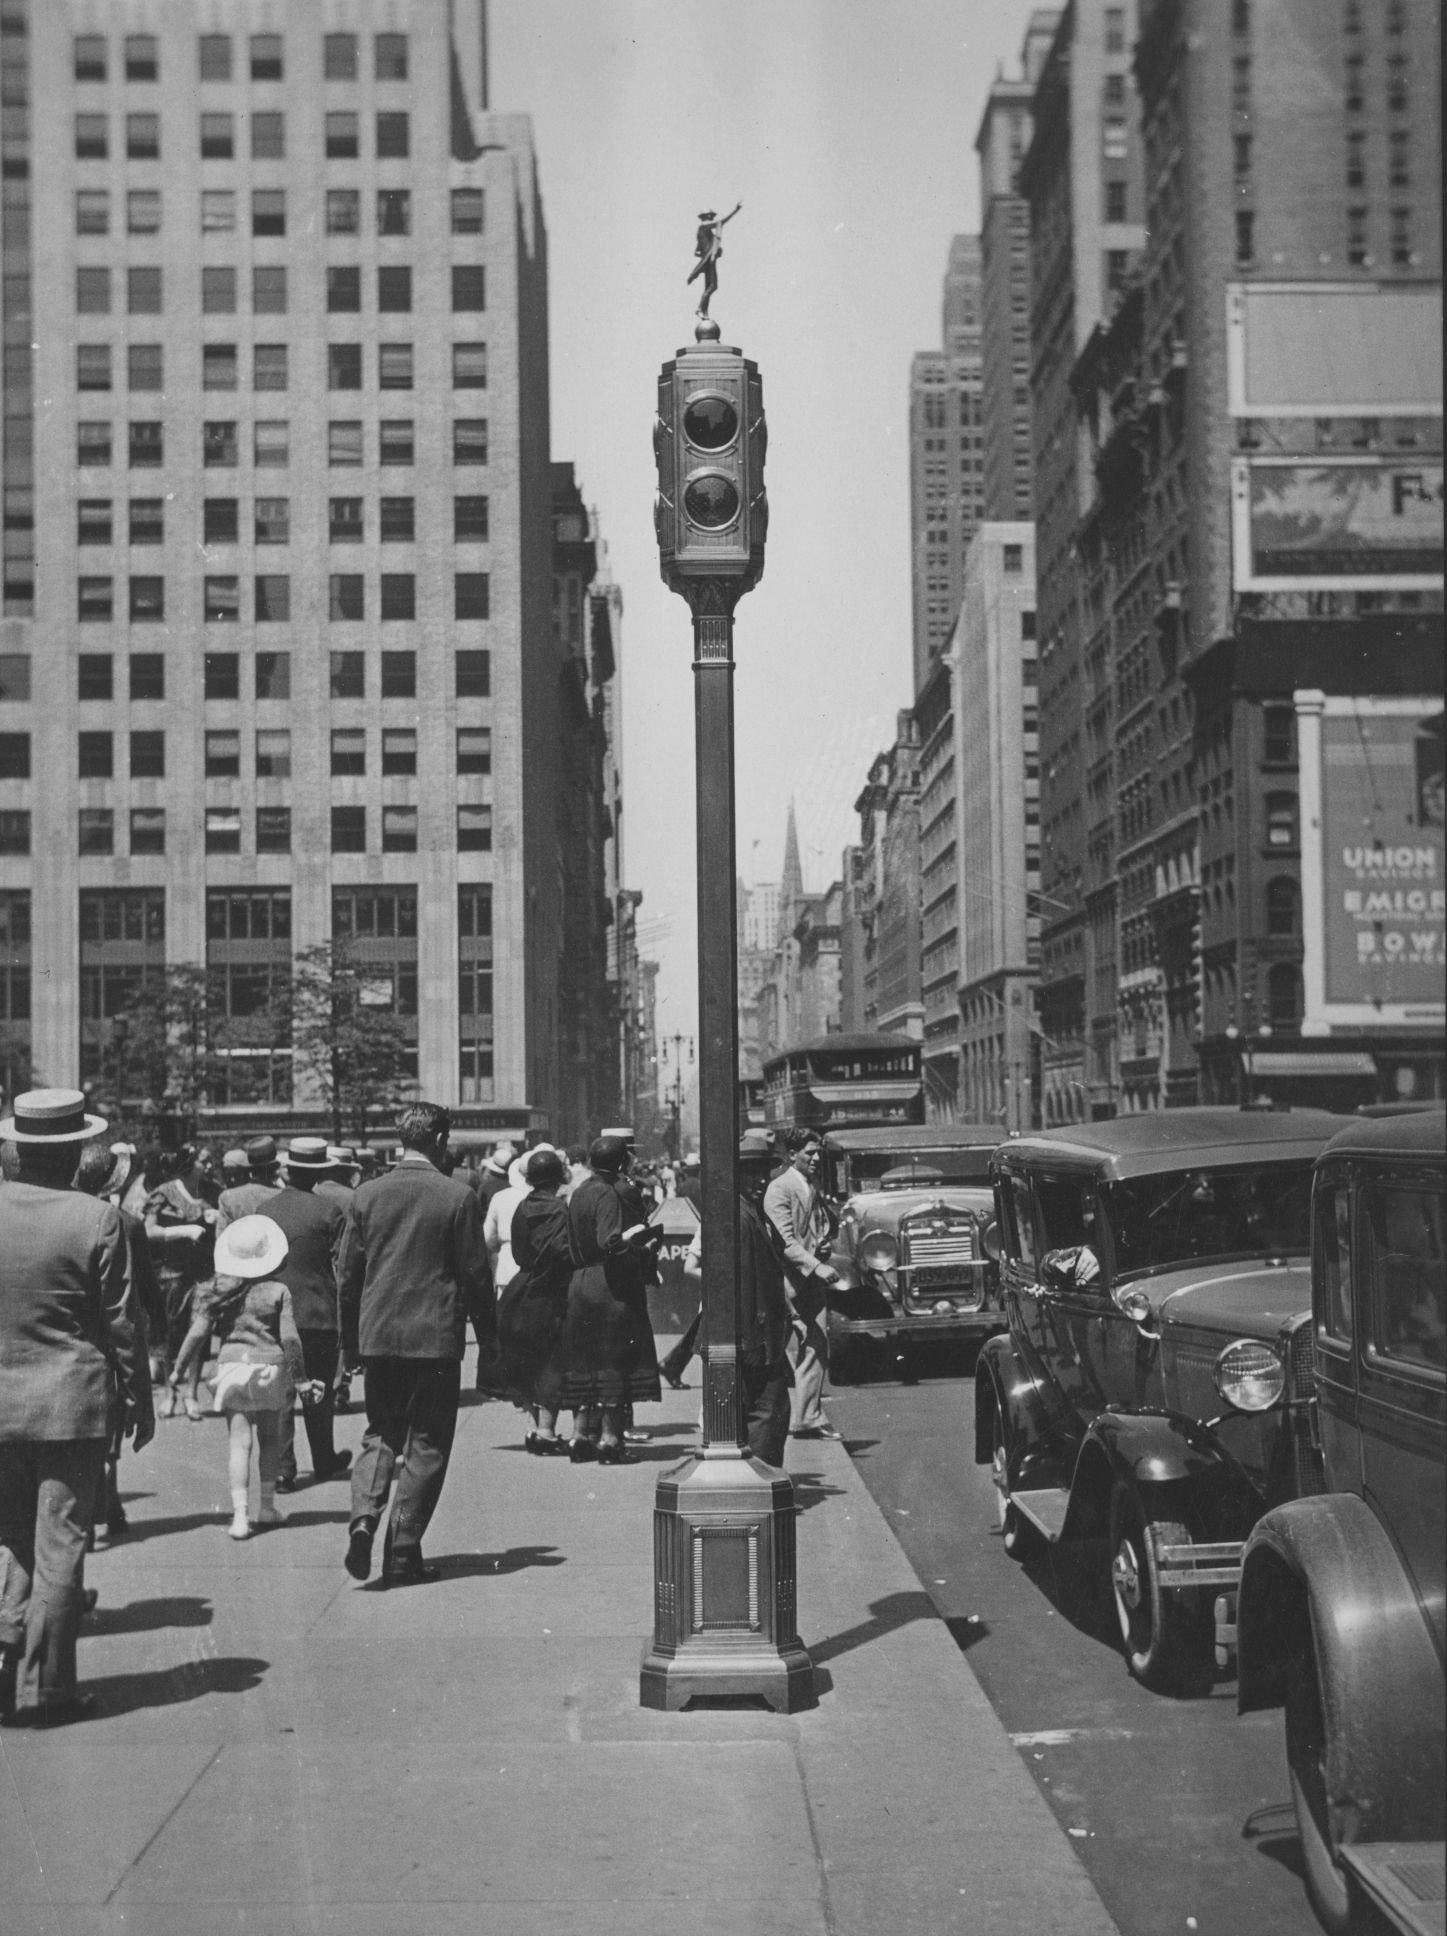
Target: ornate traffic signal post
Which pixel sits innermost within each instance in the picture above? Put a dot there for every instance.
(723, 1522)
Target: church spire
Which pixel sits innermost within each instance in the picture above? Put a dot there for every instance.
(791, 881)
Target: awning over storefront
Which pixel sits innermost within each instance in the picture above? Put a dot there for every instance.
(1301, 1062)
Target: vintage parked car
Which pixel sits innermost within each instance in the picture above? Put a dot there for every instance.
(1149, 1401)
(916, 1248)
(1343, 1612)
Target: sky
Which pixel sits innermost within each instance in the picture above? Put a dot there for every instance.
(846, 128)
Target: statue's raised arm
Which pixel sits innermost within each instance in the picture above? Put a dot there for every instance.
(708, 247)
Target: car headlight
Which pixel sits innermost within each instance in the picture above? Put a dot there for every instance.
(879, 1251)
(1250, 1376)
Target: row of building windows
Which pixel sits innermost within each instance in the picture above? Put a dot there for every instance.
(96, 830)
(219, 205)
(96, 753)
(96, 522)
(95, 365)
(265, 57)
(271, 443)
(342, 140)
(271, 598)
(347, 676)
(93, 290)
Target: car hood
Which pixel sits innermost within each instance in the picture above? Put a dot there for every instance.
(883, 1209)
(1248, 1297)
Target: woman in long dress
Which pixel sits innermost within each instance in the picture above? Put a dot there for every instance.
(533, 1312)
(610, 1362)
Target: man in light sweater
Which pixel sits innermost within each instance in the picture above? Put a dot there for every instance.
(794, 1207)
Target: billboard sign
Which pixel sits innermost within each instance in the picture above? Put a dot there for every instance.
(1322, 349)
(1374, 892)
(1365, 524)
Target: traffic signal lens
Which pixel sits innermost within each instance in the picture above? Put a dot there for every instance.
(710, 422)
(711, 500)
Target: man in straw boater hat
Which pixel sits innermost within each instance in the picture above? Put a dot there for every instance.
(312, 1224)
(68, 1314)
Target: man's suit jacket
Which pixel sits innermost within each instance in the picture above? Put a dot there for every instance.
(246, 1200)
(68, 1314)
(792, 1206)
(313, 1226)
(413, 1267)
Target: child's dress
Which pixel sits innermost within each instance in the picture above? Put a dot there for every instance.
(260, 1361)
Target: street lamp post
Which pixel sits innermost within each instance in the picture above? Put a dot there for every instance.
(723, 1522)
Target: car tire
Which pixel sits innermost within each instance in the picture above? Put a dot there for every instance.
(1328, 1886)
(844, 1361)
(1161, 1628)
(1012, 1526)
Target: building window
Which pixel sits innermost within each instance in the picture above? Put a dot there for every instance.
(144, 367)
(348, 675)
(1115, 30)
(97, 834)
(345, 521)
(398, 520)
(470, 595)
(93, 292)
(469, 287)
(469, 366)
(474, 675)
(95, 756)
(469, 520)
(273, 598)
(343, 142)
(268, 211)
(390, 57)
(1357, 237)
(268, 291)
(266, 57)
(394, 366)
(1283, 997)
(218, 211)
(467, 211)
(218, 137)
(221, 600)
(344, 291)
(218, 366)
(218, 292)
(395, 440)
(148, 600)
(148, 830)
(474, 749)
(143, 292)
(148, 756)
(94, 601)
(1401, 237)
(223, 830)
(1245, 237)
(221, 675)
(92, 366)
(1279, 735)
(273, 675)
(273, 830)
(14, 678)
(223, 755)
(272, 520)
(349, 830)
(92, 137)
(394, 211)
(1281, 821)
(1014, 557)
(344, 366)
(1115, 202)
(271, 444)
(344, 211)
(268, 137)
(399, 830)
(399, 751)
(339, 57)
(214, 57)
(15, 756)
(1115, 138)
(92, 445)
(89, 55)
(147, 520)
(399, 595)
(93, 521)
(1283, 909)
(1399, 162)
(474, 829)
(399, 675)
(14, 831)
(349, 752)
(394, 289)
(269, 366)
(391, 137)
(344, 444)
(143, 137)
(92, 211)
(469, 440)
(345, 598)
(147, 672)
(218, 446)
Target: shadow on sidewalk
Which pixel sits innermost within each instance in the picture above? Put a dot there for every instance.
(146, 1616)
(808, 1492)
(189, 1680)
(895, 1610)
(458, 1566)
(140, 1529)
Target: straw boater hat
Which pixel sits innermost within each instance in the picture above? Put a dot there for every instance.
(308, 1153)
(250, 1247)
(51, 1116)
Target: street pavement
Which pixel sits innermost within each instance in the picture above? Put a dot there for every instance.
(282, 1750)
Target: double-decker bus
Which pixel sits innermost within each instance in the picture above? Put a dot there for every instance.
(845, 1081)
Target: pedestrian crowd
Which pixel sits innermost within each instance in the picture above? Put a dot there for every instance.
(308, 1268)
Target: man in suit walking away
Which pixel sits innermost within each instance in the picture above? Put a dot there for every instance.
(249, 1199)
(312, 1224)
(68, 1314)
(413, 1272)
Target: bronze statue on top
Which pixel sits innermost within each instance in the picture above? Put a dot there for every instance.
(708, 247)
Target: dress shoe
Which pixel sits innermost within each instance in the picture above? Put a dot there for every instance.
(411, 1570)
(359, 1552)
(817, 1432)
(674, 1378)
(616, 1455)
(286, 1482)
(334, 1468)
(89, 1600)
(54, 1714)
(269, 1516)
(582, 1451)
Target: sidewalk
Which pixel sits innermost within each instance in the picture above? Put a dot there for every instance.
(282, 1751)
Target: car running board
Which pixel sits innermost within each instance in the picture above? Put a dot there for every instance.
(1045, 1509)
(1405, 1879)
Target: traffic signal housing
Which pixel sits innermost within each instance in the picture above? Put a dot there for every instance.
(711, 514)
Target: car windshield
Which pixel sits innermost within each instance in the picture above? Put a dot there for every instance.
(962, 1165)
(1157, 1222)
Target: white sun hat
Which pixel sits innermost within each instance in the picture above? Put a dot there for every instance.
(250, 1247)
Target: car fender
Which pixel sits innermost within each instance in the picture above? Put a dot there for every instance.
(1155, 1452)
(1005, 1384)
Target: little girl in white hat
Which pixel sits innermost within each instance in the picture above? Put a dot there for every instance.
(259, 1365)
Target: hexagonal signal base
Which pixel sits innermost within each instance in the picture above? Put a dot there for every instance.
(724, 1587)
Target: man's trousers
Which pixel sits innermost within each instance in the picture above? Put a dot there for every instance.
(808, 1348)
(48, 1494)
(319, 1350)
(411, 1419)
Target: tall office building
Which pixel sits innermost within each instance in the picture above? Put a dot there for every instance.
(1001, 144)
(1082, 180)
(277, 664)
(946, 462)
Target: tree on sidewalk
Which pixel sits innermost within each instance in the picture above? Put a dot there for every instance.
(351, 1047)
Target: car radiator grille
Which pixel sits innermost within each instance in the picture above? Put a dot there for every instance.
(941, 1257)
(1306, 1465)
